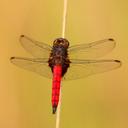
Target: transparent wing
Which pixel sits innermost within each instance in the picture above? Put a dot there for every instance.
(78, 68)
(38, 65)
(37, 49)
(83, 68)
(91, 50)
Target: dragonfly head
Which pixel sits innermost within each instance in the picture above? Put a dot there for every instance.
(61, 42)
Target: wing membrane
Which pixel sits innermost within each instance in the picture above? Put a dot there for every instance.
(78, 68)
(83, 68)
(35, 48)
(38, 65)
(91, 50)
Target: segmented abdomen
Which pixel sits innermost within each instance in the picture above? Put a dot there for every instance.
(57, 73)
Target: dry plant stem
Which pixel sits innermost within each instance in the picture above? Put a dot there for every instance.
(63, 35)
(64, 18)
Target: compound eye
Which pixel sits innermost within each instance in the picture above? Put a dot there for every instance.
(55, 42)
(66, 43)
(61, 41)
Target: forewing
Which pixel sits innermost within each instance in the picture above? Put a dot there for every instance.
(83, 68)
(38, 65)
(35, 48)
(91, 50)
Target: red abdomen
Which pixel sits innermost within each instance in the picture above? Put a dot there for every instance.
(57, 73)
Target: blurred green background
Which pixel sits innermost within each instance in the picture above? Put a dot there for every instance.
(99, 101)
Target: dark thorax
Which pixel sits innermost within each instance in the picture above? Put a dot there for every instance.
(59, 54)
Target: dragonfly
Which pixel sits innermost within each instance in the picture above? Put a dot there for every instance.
(63, 62)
